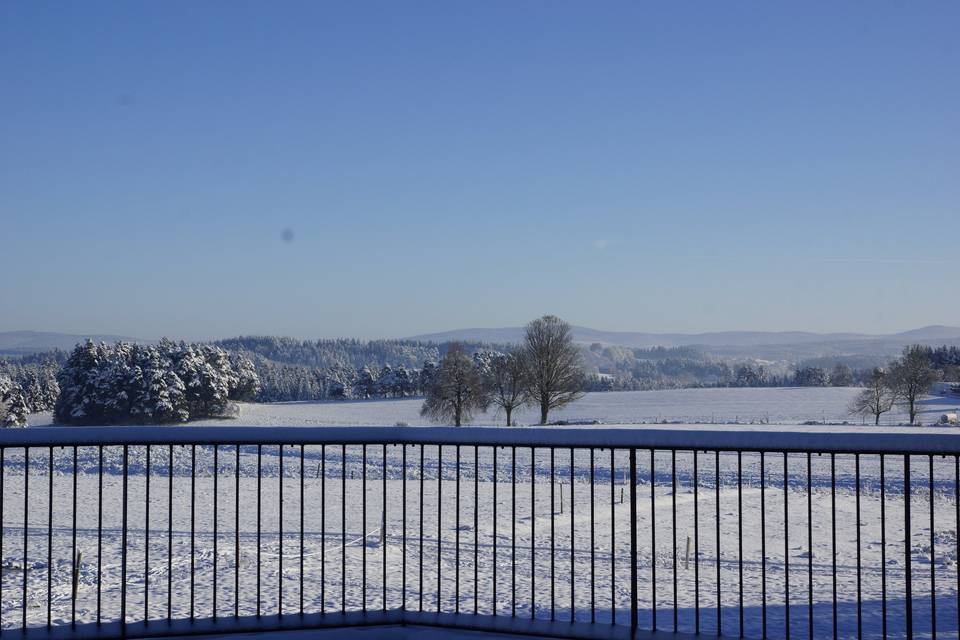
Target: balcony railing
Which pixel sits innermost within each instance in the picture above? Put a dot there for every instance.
(571, 532)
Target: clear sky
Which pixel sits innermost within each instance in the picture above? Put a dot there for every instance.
(205, 169)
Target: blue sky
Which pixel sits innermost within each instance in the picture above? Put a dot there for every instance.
(659, 167)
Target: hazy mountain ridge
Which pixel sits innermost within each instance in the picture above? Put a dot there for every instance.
(760, 344)
(26, 342)
(741, 339)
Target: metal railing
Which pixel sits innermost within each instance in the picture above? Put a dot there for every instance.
(575, 532)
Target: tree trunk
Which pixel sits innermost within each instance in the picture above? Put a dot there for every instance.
(913, 412)
(509, 410)
(544, 408)
(876, 422)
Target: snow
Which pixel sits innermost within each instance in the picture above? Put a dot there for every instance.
(335, 510)
(325, 532)
(718, 406)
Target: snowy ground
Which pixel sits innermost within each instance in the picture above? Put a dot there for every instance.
(337, 529)
(709, 406)
(342, 526)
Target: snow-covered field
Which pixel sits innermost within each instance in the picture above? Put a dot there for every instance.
(710, 406)
(588, 557)
(181, 540)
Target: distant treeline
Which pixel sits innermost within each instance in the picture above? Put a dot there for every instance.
(328, 354)
(287, 369)
(627, 369)
(291, 369)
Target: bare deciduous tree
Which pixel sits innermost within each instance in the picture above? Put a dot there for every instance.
(552, 362)
(876, 398)
(507, 379)
(457, 390)
(911, 376)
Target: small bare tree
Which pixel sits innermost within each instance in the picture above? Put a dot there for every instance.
(552, 362)
(507, 381)
(876, 398)
(457, 390)
(911, 376)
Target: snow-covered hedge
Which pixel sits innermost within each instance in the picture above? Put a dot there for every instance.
(150, 384)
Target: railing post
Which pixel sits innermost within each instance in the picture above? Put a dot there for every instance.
(633, 542)
(907, 546)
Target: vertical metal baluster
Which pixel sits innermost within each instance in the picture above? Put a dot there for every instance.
(363, 525)
(673, 506)
(786, 544)
(833, 528)
(236, 536)
(169, 535)
(933, 560)
(420, 535)
(343, 528)
(123, 546)
(403, 490)
(613, 539)
(696, 544)
(494, 597)
(856, 462)
(99, 534)
(26, 532)
(763, 544)
(439, 522)
(259, 495)
(476, 524)
(280, 531)
(883, 548)
(323, 528)
(513, 529)
(146, 537)
(634, 612)
(653, 540)
(553, 511)
(739, 538)
(593, 528)
(383, 534)
(456, 546)
(193, 523)
(716, 472)
(49, 537)
(216, 555)
(533, 533)
(809, 548)
(907, 544)
(302, 518)
(573, 558)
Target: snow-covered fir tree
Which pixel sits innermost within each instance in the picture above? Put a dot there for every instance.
(150, 384)
(13, 403)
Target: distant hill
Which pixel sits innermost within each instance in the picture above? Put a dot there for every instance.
(17, 343)
(729, 339)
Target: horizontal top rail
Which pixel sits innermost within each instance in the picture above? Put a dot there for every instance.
(910, 440)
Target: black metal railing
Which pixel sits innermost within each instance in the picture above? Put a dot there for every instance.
(146, 531)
